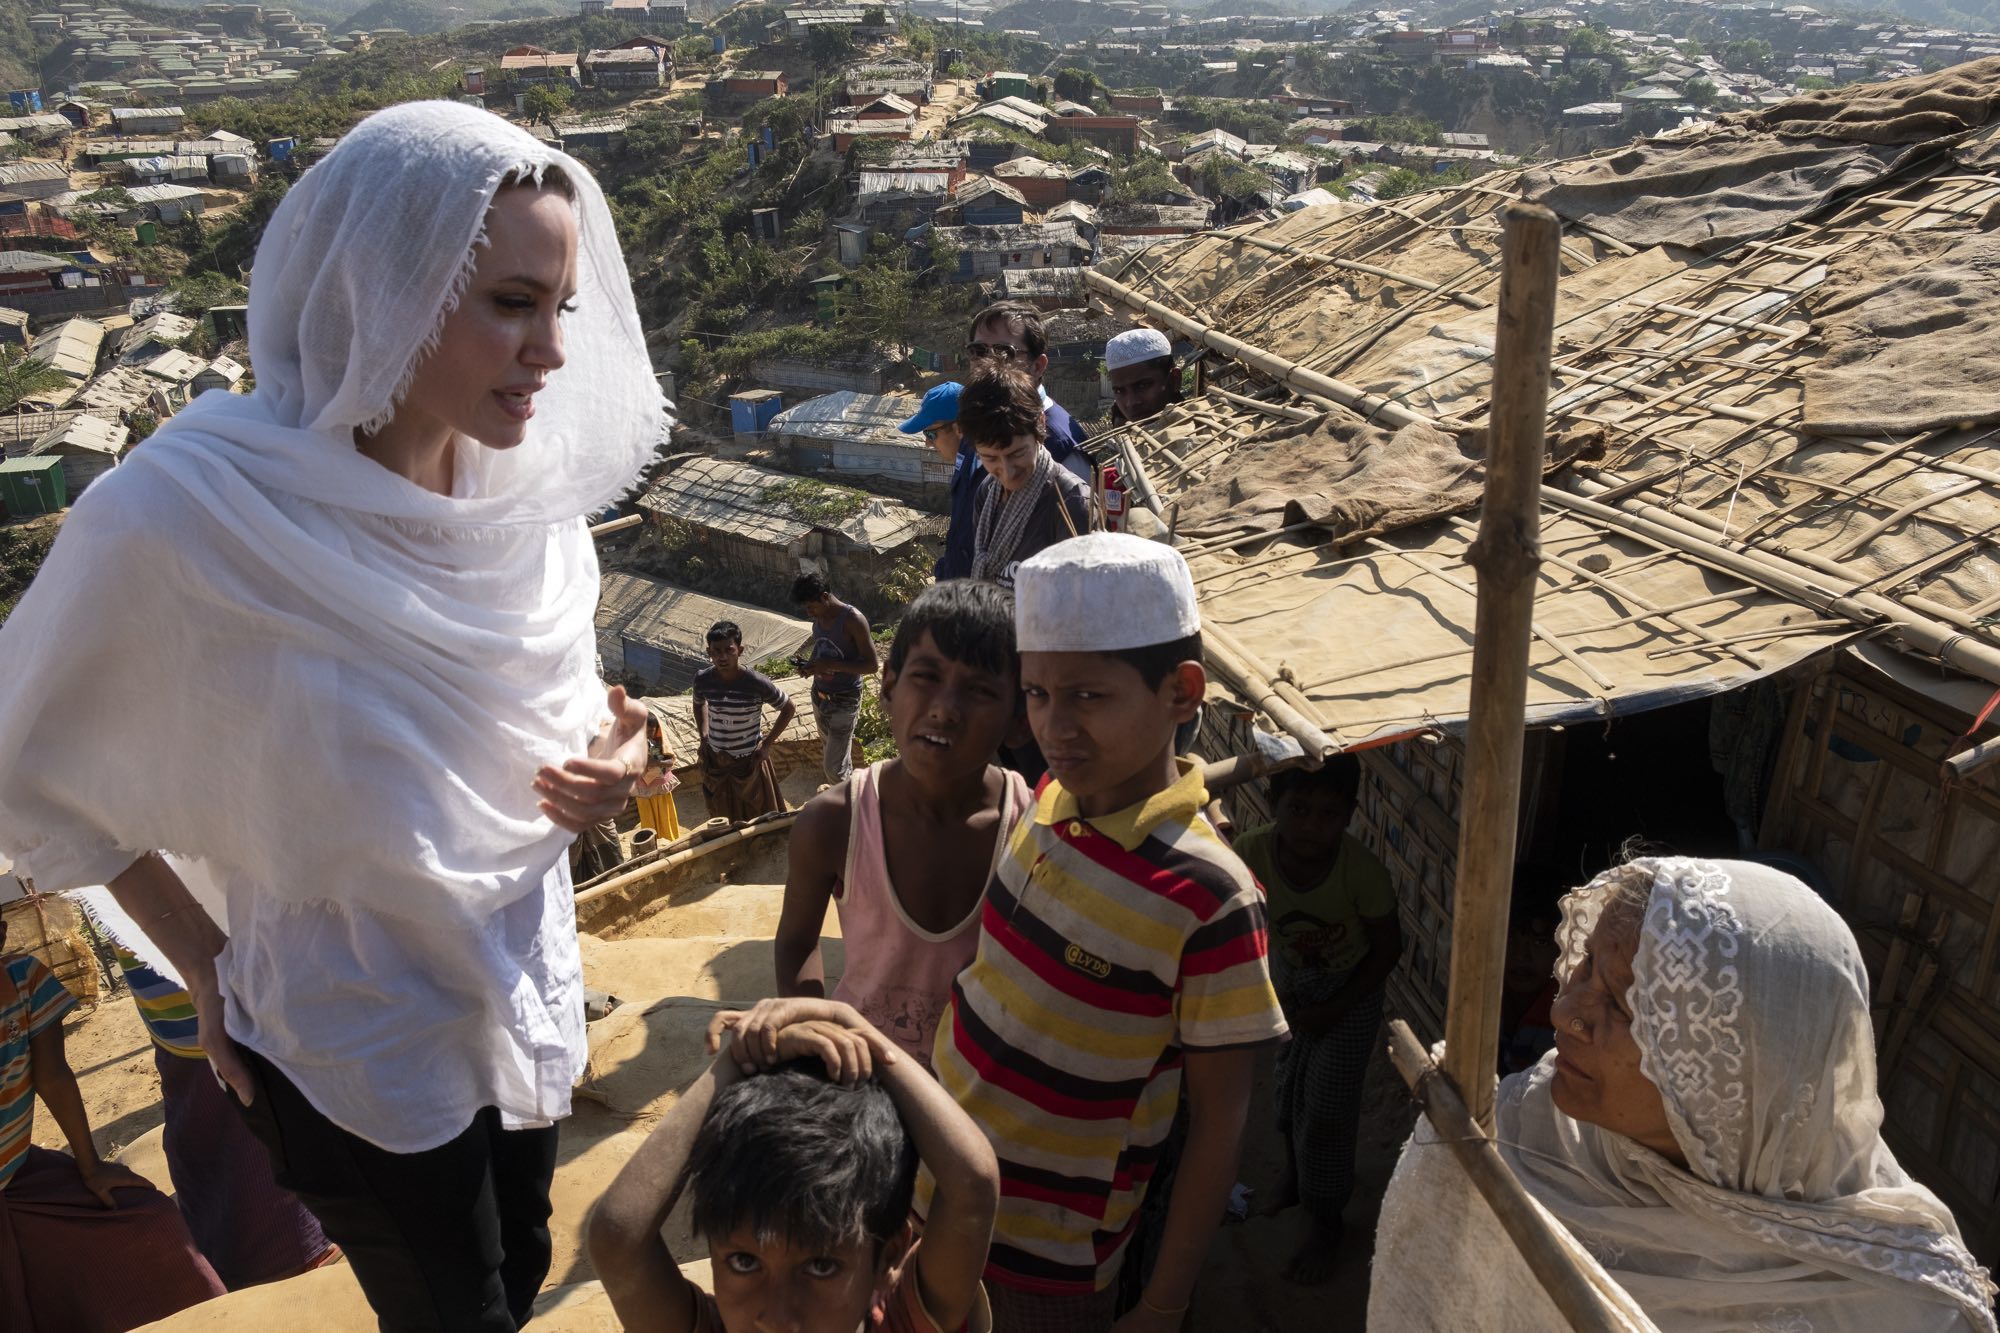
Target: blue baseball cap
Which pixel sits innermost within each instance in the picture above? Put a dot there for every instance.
(939, 406)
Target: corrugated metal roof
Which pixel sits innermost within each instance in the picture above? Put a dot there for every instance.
(84, 432)
(31, 261)
(71, 347)
(117, 390)
(175, 365)
(31, 169)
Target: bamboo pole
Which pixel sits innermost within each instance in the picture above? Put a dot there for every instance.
(1465, 299)
(1372, 406)
(1542, 1247)
(1219, 776)
(1507, 554)
(1232, 661)
(605, 529)
(769, 824)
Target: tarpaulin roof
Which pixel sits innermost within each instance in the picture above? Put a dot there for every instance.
(1739, 492)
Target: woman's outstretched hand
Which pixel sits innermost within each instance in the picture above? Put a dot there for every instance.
(595, 787)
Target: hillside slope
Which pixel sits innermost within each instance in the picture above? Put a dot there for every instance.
(438, 15)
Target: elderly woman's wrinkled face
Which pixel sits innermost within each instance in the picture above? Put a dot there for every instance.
(1597, 1076)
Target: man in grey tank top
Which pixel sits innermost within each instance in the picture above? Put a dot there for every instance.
(841, 653)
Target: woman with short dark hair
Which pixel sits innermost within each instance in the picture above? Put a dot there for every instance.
(1028, 502)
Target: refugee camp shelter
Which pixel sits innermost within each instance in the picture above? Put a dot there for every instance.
(778, 524)
(855, 435)
(656, 635)
(1768, 612)
(88, 447)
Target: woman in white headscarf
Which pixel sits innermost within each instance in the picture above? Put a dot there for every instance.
(1708, 1126)
(370, 580)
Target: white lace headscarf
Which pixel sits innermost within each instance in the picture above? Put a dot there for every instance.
(254, 646)
(1750, 1008)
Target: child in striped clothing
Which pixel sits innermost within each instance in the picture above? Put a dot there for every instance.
(737, 777)
(1121, 957)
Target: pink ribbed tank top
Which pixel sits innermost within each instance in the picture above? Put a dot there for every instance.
(899, 975)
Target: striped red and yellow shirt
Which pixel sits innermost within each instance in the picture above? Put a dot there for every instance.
(1107, 948)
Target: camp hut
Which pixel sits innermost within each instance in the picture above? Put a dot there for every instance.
(1041, 184)
(771, 526)
(153, 335)
(910, 79)
(223, 374)
(982, 201)
(987, 252)
(536, 67)
(626, 68)
(1765, 621)
(654, 635)
(847, 130)
(138, 122)
(13, 327)
(71, 347)
(121, 391)
(28, 272)
(29, 179)
(854, 437)
(175, 370)
(88, 447)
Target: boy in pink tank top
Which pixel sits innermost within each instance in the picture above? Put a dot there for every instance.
(905, 848)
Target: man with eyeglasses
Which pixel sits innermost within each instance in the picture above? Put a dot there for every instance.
(1011, 333)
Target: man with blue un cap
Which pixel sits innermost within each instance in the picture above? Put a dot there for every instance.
(937, 421)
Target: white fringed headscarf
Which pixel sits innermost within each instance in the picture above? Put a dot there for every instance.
(1749, 1004)
(255, 646)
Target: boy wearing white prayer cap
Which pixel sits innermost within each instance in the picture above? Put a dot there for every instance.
(1121, 954)
(1140, 363)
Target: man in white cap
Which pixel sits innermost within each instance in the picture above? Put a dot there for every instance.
(1143, 376)
(1121, 956)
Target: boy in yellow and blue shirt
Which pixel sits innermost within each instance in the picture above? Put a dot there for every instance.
(1121, 956)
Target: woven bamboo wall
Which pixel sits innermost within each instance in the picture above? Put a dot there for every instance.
(50, 929)
(1911, 864)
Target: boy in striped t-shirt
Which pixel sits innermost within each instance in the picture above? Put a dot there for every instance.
(737, 778)
(1121, 957)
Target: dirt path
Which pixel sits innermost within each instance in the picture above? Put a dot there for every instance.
(672, 973)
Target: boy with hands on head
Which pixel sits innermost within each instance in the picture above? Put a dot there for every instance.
(800, 1146)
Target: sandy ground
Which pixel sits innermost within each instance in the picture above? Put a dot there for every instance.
(671, 974)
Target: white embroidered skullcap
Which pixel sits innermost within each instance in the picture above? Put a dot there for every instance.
(1134, 346)
(1103, 592)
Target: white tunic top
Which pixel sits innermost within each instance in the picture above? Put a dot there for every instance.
(401, 1037)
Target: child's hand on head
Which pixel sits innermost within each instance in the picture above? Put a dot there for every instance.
(848, 1054)
(757, 1035)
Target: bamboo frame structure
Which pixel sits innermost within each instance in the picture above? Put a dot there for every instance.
(1506, 555)
(1793, 544)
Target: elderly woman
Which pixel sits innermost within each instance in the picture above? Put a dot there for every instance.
(1707, 1128)
(374, 569)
